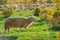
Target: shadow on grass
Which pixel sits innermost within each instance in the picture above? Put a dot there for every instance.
(55, 28)
(38, 23)
(8, 38)
(22, 30)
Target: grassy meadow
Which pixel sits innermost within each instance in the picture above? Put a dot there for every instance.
(39, 30)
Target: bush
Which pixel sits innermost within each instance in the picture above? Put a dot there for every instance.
(7, 12)
(37, 11)
(57, 14)
(55, 22)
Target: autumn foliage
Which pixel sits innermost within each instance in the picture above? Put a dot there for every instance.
(7, 12)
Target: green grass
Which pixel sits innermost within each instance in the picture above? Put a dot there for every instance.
(37, 31)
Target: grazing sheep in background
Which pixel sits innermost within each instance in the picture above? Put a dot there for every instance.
(15, 6)
(18, 22)
(1, 6)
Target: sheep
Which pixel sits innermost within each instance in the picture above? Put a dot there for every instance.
(15, 6)
(18, 22)
(1, 6)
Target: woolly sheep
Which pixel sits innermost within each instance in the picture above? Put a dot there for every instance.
(18, 22)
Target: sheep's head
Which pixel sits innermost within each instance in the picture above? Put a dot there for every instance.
(31, 18)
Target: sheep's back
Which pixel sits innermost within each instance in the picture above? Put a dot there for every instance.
(16, 22)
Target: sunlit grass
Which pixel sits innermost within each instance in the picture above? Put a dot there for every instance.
(36, 31)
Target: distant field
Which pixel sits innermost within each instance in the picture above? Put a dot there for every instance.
(37, 31)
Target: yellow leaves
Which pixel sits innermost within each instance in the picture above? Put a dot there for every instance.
(58, 7)
(55, 1)
(50, 11)
(23, 1)
(10, 1)
(44, 1)
(57, 36)
(49, 16)
(42, 16)
(29, 1)
(13, 1)
(7, 12)
(17, 1)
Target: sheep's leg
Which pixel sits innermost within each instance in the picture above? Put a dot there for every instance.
(26, 28)
(8, 29)
(19, 29)
(5, 29)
